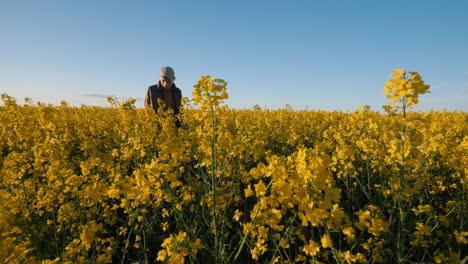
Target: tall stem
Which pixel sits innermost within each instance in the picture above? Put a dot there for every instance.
(401, 208)
(404, 107)
(213, 182)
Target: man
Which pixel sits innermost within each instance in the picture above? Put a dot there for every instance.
(165, 90)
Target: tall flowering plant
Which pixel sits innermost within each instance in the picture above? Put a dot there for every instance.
(209, 92)
(405, 88)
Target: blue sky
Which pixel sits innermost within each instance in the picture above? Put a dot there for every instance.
(323, 55)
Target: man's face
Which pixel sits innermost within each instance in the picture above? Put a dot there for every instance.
(167, 82)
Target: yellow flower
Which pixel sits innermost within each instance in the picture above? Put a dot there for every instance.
(195, 246)
(377, 226)
(164, 226)
(88, 235)
(311, 249)
(260, 188)
(165, 213)
(181, 236)
(460, 237)
(237, 215)
(248, 191)
(350, 234)
(422, 209)
(422, 230)
(326, 241)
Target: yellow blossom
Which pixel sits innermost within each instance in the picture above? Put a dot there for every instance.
(326, 241)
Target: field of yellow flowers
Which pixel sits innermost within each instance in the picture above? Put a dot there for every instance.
(124, 185)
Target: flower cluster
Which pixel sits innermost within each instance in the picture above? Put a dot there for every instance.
(209, 92)
(404, 88)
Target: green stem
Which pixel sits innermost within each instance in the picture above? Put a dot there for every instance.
(213, 183)
(401, 208)
(404, 107)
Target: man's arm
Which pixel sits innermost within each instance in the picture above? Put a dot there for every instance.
(148, 98)
(179, 96)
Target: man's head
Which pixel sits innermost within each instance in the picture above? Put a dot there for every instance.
(166, 77)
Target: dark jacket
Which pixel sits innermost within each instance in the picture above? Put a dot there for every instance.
(156, 92)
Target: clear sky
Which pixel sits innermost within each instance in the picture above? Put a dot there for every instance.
(327, 55)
